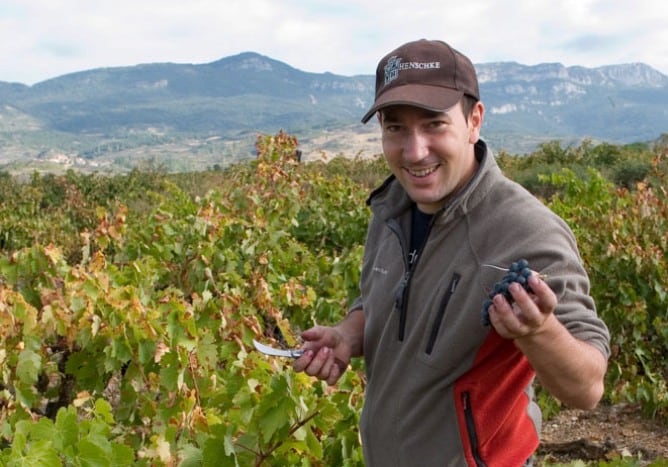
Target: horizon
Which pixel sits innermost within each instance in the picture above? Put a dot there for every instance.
(43, 40)
(308, 71)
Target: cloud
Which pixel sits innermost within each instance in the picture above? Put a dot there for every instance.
(47, 38)
(592, 43)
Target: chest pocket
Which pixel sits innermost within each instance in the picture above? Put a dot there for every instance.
(438, 318)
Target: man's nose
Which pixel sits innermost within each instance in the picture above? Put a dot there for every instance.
(416, 146)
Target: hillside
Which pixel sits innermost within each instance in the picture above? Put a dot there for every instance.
(189, 116)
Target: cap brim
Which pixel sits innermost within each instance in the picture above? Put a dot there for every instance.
(434, 98)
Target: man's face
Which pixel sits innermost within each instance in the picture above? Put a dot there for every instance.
(430, 153)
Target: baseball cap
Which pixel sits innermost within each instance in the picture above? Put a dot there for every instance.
(427, 74)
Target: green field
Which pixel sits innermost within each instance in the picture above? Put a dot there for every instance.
(129, 301)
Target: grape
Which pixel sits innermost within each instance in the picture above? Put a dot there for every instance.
(519, 272)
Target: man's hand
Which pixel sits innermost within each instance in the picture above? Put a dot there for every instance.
(326, 355)
(529, 312)
(328, 350)
(570, 369)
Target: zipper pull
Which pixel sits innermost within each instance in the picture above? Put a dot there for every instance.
(400, 304)
(399, 296)
(465, 401)
(453, 283)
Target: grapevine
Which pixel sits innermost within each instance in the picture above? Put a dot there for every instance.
(517, 272)
(128, 304)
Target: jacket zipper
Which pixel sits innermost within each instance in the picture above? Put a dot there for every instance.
(470, 428)
(441, 312)
(402, 291)
(400, 300)
(401, 296)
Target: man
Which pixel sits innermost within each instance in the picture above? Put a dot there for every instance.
(444, 389)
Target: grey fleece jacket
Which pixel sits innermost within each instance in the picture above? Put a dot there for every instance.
(442, 388)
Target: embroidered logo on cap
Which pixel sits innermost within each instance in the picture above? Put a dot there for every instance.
(394, 66)
(392, 69)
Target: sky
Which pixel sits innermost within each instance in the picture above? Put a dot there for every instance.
(43, 39)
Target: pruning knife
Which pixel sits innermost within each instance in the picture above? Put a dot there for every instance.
(267, 350)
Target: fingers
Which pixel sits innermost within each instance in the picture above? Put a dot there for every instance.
(527, 314)
(334, 375)
(321, 364)
(302, 362)
(319, 336)
(505, 318)
(318, 359)
(547, 300)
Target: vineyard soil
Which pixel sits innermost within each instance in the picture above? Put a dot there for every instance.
(606, 433)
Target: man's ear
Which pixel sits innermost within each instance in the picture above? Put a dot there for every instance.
(475, 122)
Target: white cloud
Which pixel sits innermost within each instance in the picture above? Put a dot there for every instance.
(42, 39)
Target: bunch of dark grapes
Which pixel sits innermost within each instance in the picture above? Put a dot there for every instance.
(518, 272)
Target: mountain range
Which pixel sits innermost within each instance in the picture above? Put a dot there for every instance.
(89, 113)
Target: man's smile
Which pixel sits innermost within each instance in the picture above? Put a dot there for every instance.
(422, 172)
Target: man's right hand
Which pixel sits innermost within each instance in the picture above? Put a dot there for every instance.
(326, 355)
(328, 350)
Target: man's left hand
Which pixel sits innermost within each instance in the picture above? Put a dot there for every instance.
(529, 312)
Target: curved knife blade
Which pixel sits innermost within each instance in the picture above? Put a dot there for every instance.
(267, 350)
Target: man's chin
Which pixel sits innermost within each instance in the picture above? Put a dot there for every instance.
(427, 204)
